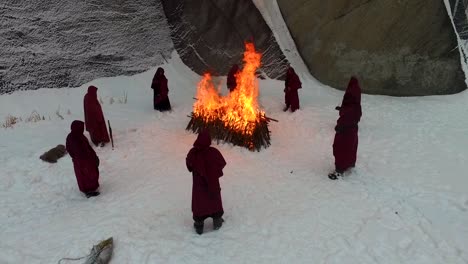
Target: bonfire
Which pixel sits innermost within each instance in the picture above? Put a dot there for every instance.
(235, 118)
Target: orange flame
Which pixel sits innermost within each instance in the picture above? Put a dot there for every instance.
(239, 110)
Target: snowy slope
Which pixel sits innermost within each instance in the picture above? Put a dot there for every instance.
(406, 202)
(65, 43)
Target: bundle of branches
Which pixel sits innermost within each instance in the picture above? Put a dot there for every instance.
(219, 130)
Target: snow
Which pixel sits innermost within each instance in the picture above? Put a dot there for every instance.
(273, 17)
(405, 202)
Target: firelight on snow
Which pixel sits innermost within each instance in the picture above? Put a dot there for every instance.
(237, 117)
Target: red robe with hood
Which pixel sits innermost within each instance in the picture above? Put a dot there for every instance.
(206, 164)
(231, 78)
(346, 138)
(292, 84)
(94, 118)
(85, 160)
(160, 91)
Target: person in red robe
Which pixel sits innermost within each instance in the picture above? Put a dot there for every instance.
(160, 91)
(231, 78)
(85, 160)
(292, 84)
(346, 137)
(94, 118)
(206, 164)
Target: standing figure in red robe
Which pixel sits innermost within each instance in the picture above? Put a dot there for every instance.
(346, 137)
(94, 118)
(292, 84)
(206, 164)
(85, 160)
(231, 78)
(160, 91)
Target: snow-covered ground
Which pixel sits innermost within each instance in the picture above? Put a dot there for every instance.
(406, 202)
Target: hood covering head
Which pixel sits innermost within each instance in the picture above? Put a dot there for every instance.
(92, 91)
(290, 70)
(353, 92)
(235, 68)
(77, 127)
(160, 71)
(203, 139)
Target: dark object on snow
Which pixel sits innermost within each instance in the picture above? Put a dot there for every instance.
(217, 222)
(100, 253)
(85, 160)
(110, 133)
(345, 143)
(231, 78)
(54, 154)
(199, 221)
(198, 225)
(94, 118)
(291, 85)
(206, 164)
(161, 91)
(334, 175)
(92, 194)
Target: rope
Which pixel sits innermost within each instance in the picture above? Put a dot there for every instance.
(72, 259)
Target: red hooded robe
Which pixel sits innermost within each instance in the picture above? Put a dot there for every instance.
(206, 164)
(94, 118)
(160, 91)
(231, 78)
(346, 138)
(85, 160)
(292, 84)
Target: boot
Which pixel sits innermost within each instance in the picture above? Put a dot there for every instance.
(91, 194)
(217, 223)
(286, 108)
(198, 227)
(334, 175)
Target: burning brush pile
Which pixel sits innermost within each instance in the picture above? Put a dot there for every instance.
(235, 118)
